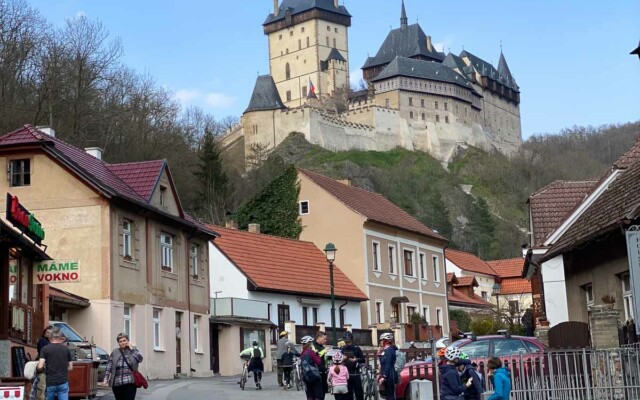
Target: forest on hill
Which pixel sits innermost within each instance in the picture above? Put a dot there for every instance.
(73, 78)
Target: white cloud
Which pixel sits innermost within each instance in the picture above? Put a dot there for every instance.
(206, 100)
(219, 100)
(186, 96)
(355, 76)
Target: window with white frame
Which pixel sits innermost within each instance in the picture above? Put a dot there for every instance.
(392, 260)
(425, 314)
(408, 263)
(627, 296)
(304, 207)
(20, 172)
(166, 247)
(436, 268)
(423, 269)
(376, 256)
(126, 316)
(127, 242)
(194, 249)
(410, 311)
(439, 316)
(379, 312)
(588, 294)
(157, 339)
(196, 333)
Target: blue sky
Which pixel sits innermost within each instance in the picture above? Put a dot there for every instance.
(570, 58)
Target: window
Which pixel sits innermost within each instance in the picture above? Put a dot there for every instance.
(255, 129)
(485, 296)
(328, 28)
(335, 30)
(126, 239)
(439, 317)
(280, 37)
(507, 347)
(387, 103)
(423, 270)
(305, 316)
(422, 103)
(410, 101)
(287, 71)
(196, 333)
(514, 307)
(299, 44)
(477, 349)
(436, 269)
(307, 41)
(20, 171)
(249, 335)
(302, 29)
(334, 43)
(436, 105)
(446, 106)
(288, 95)
(314, 310)
(411, 114)
(379, 312)
(425, 314)
(163, 196)
(423, 116)
(291, 33)
(193, 259)
(376, 256)
(327, 41)
(127, 319)
(304, 207)
(157, 315)
(304, 91)
(627, 296)
(410, 311)
(446, 119)
(588, 292)
(166, 247)
(392, 260)
(408, 263)
(531, 347)
(437, 118)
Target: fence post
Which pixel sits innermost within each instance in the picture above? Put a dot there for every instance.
(374, 334)
(290, 326)
(586, 373)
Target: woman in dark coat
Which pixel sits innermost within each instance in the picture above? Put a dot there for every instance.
(119, 373)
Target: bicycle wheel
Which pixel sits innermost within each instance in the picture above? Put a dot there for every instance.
(243, 379)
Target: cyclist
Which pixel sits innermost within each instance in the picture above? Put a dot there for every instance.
(468, 370)
(255, 362)
(318, 347)
(339, 377)
(287, 364)
(387, 366)
(314, 388)
(280, 350)
(353, 356)
(452, 387)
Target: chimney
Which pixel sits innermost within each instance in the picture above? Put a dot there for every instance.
(275, 8)
(254, 228)
(429, 45)
(94, 151)
(47, 129)
(231, 224)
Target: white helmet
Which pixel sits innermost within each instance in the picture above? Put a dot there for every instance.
(386, 336)
(306, 339)
(452, 353)
(337, 358)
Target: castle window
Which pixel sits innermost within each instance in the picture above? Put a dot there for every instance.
(386, 103)
(411, 114)
(307, 41)
(446, 119)
(335, 30)
(334, 43)
(287, 71)
(436, 105)
(445, 106)
(437, 118)
(304, 91)
(291, 33)
(288, 95)
(302, 29)
(280, 37)
(299, 44)
(422, 104)
(255, 129)
(423, 116)
(328, 28)
(287, 50)
(327, 41)
(410, 101)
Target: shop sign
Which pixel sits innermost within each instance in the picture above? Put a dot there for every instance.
(57, 271)
(13, 272)
(22, 219)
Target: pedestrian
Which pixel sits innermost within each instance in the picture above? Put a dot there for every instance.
(466, 371)
(501, 379)
(353, 357)
(387, 377)
(339, 377)
(55, 360)
(287, 364)
(39, 387)
(255, 362)
(318, 347)
(314, 389)
(123, 360)
(451, 387)
(280, 350)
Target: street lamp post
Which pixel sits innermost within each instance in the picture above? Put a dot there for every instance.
(330, 252)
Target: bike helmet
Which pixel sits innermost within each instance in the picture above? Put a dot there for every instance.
(452, 353)
(386, 336)
(463, 356)
(284, 333)
(337, 358)
(348, 336)
(306, 339)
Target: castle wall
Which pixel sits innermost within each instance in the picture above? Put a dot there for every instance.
(270, 128)
(501, 117)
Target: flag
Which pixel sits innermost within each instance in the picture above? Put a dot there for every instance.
(312, 91)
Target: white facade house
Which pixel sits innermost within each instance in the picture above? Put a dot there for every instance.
(466, 264)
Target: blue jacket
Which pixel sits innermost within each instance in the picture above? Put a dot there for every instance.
(501, 385)
(473, 392)
(388, 363)
(451, 384)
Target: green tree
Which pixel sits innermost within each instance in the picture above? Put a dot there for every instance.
(213, 183)
(481, 230)
(275, 207)
(462, 318)
(437, 215)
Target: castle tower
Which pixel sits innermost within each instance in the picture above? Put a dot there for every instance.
(308, 42)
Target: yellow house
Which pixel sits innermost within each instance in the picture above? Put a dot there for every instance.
(397, 261)
(141, 261)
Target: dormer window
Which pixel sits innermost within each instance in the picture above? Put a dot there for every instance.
(163, 196)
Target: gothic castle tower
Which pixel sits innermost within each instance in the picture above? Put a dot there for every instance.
(308, 43)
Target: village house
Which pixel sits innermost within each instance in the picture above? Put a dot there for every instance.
(513, 295)
(141, 262)
(393, 258)
(466, 264)
(461, 295)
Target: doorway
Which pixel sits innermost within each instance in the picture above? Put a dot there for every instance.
(178, 342)
(284, 315)
(215, 349)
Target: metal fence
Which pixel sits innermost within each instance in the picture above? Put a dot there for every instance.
(563, 374)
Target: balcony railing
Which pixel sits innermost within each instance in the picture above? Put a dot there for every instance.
(231, 307)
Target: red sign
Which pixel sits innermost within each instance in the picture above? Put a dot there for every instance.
(22, 219)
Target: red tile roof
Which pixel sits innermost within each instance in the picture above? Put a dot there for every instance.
(509, 268)
(469, 262)
(373, 206)
(466, 281)
(515, 286)
(284, 265)
(552, 204)
(452, 278)
(141, 176)
(55, 293)
(630, 157)
(457, 298)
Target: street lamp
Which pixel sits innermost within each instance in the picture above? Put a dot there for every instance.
(330, 252)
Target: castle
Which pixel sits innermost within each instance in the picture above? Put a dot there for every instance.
(418, 98)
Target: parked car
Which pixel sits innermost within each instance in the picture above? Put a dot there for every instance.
(83, 349)
(479, 349)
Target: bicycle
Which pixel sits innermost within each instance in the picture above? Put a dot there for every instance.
(296, 373)
(245, 373)
(369, 382)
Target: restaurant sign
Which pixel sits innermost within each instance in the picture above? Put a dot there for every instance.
(56, 271)
(22, 219)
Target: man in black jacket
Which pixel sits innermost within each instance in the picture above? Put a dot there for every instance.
(353, 356)
(318, 347)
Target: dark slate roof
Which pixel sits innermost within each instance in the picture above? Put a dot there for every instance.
(335, 55)
(299, 6)
(453, 61)
(265, 95)
(408, 42)
(485, 68)
(434, 71)
(503, 69)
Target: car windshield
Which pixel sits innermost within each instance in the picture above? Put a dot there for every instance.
(69, 333)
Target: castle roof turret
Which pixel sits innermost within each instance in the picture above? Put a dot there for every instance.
(403, 17)
(265, 95)
(503, 69)
(294, 7)
(335, 55)
(485, 68)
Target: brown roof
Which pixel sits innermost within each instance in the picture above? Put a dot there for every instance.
(552, 204)
(141, 176)
(284, 265)
(67, 297)
(620, 201)
(452, 278)
(466, 281)
(469, 262)
(630, 157)
(508, 268)
(515, 286)
(458, 298)
(373, 206)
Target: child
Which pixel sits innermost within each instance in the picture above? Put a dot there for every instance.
(452, 387)
(287, 364)
(501, 379)
(339, 377)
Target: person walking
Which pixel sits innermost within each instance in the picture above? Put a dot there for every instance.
(255, 362)
(119, 373)
(501, 379)
(467, 371)
(387, 376)
(280, 350)
(38, 391)
(353, 356)
(287, 364)
(451, 387)
(314, 389)
(55, 360)
(339, 377)
(318, 347)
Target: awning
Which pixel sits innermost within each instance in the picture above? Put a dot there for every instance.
(67, 299)
(309, 302)
(398, 300)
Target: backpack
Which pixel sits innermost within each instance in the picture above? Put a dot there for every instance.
(256, 354)
(401, 360)
(310, 371)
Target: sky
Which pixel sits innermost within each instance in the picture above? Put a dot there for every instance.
(570, 58)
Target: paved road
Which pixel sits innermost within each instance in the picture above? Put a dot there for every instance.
(216, 388)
